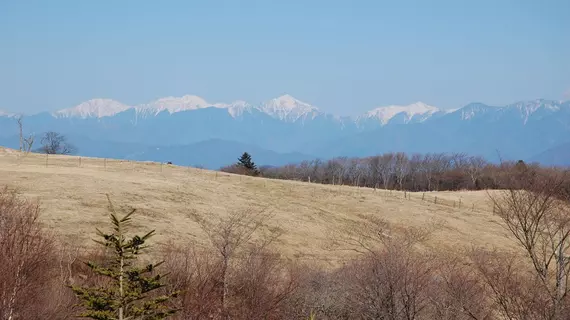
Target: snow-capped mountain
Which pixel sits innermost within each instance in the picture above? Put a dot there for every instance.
(236, 108)
(95, 108)
(415, 112)
(173, 105)
(288, 108)
(286, 124)
(519, 112)
(537, 109)
(285, 108)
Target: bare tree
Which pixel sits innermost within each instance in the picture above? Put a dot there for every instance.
(26, 144)
(391, 279)
(475, 166)
(228, 236)
(55, 143)
(20, 126)
(401, 168)
(537, 214)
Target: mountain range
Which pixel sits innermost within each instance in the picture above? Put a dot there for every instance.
(189, 130)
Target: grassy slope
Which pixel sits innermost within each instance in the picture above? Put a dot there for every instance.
(74, 203)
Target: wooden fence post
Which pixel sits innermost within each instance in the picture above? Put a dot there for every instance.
(423, 196)
(80, 162)
(47, 159)
(435, 200)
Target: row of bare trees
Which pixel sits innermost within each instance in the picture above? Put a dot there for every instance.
(392, 273)
(429, 172)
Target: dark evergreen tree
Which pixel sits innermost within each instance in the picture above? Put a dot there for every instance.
(126, 295)
(246, 163)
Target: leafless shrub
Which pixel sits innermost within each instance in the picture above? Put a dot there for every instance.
(30, 280)
(235, 169)
(260, 285)
(195, 273)
(391, 283)
(458, 291)
(515, 293)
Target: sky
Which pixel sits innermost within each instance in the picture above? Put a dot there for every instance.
(345, 57)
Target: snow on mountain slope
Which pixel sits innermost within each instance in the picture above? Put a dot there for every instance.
(288, 108)
(173, 105)
(535, 108)
(524, 111)
(6, 114)
(236, 108)
(473, 110)
(95, 108)
(418, 111)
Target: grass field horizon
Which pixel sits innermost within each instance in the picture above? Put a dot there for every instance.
(72, 193)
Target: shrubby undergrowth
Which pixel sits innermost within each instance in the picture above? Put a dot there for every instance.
(238, 274)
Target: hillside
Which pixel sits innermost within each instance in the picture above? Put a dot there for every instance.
(72, 194)
(556, 156)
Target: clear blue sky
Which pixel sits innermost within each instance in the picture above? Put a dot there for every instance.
(342, 56)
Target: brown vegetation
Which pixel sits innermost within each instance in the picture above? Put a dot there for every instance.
(398, 171)
(396, 271)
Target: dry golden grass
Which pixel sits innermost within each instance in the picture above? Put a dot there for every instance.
(72, 194)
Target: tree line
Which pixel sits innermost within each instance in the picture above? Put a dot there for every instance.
(399, 171)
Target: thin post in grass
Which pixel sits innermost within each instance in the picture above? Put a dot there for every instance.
(423, 196)
(80, 162)
(47, 159)
(459, 203)
(435, 200)
(105, 163)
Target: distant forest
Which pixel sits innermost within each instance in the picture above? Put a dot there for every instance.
(399, 171)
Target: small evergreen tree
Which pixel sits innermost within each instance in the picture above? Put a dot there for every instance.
(246, 163)
(126, 295)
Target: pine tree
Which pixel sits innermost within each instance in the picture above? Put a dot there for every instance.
(127, 294)
(245, 162)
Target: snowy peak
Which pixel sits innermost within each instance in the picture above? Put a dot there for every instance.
(95, 108)
(6, 114)
(418, 111)
(287, 107)
(523, 110)
(474, 110)
(236, 108)
(174, 104)
(530, 107)
(535, 108)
